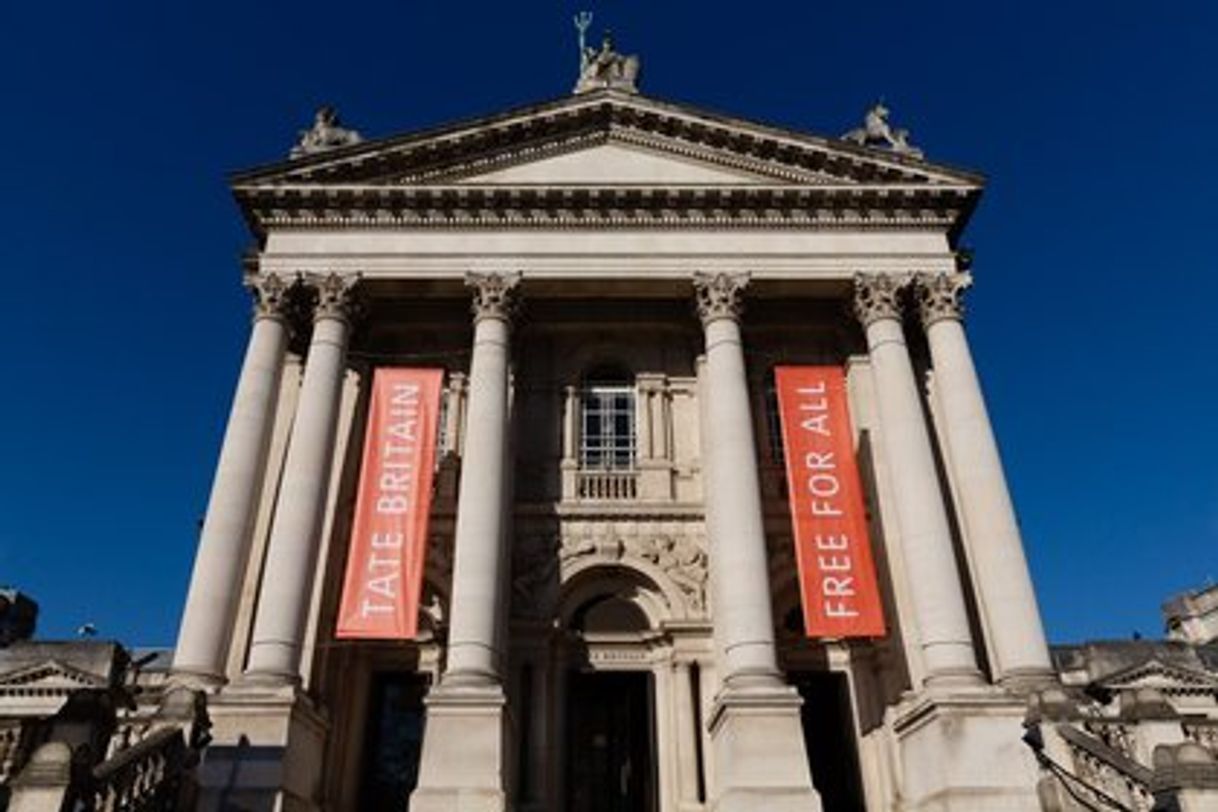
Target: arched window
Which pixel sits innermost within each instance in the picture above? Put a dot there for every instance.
(607, 425)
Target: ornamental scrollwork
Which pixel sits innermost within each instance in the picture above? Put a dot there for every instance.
(495, 294)
(719, 295)
(878, 296)
(941, 296)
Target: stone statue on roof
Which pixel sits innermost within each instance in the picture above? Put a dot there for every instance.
(603, 68)
(326, 133)
(876, 132)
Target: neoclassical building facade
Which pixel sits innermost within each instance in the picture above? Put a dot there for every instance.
(610, 614)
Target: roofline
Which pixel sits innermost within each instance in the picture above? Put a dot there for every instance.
(567, 102)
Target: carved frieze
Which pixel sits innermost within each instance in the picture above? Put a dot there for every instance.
(543, 562)
(683, 560)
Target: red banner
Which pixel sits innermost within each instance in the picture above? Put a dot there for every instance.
(836, 573)
(384, 578)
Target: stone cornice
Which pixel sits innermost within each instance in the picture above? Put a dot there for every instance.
(754, 206)
(414, 181)
(603, 113)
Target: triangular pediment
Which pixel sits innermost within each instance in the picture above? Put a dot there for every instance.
(50, 676)
(1162, 676)
(611, 164)
(607, 158)
(608, 139)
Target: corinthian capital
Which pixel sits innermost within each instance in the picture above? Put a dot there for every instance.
(719, 295)
(940, 296)
(495, 294)
(335, 295)
(271, 295)
(878, 296)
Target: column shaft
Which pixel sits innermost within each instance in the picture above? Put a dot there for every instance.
(755, 720)
(739, 566)
(930, 562)
(1003, 582)
(291, 557)
(224, 543)
(478, 578)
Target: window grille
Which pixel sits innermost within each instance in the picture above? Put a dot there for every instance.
(607, 438)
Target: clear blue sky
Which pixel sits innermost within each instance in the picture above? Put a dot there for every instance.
(1092, 318)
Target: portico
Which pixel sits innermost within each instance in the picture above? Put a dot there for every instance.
(606, 282)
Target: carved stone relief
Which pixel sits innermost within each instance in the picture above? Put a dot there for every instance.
(543, 562)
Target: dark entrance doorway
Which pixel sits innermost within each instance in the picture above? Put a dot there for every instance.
(829, 739)
(610, 743)
(394, 742)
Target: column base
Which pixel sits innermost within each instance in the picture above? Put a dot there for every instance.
(1023, 682)
(760, 760)
(962, 751)
(267, 751)
(201, 680)
(463, 766)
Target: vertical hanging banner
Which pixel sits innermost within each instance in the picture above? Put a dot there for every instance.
(384, 578)
(836, 572)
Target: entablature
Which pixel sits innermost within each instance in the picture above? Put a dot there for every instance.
(582, 262)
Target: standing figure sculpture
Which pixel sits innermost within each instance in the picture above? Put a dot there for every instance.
(604, 68)
(876, 132)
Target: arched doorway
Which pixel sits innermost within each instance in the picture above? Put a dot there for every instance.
(610, 731)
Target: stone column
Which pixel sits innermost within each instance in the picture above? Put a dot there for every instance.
(755, 721)
(464, 762)
(291, 556)
(1004, 585)
(738, 556)
(930, 562)
(478, 596)
(224, 544)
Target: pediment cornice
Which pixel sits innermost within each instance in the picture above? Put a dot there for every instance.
(1157, 674)
(47, 678)
(431, 178)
